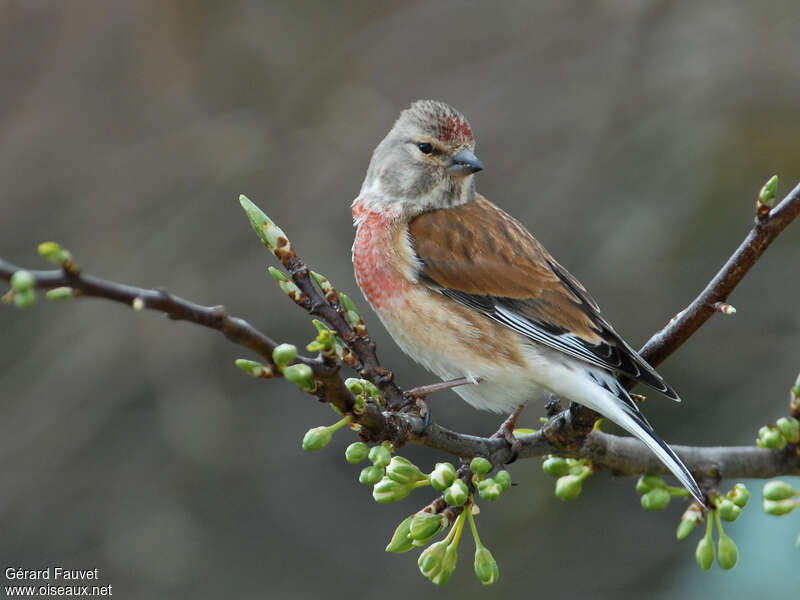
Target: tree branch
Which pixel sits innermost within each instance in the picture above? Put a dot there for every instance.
(568, 433)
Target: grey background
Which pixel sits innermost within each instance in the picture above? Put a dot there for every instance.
(630, 137)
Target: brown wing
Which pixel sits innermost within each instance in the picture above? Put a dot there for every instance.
(485, 259)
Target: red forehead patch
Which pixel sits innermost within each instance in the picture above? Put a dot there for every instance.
(454, 128)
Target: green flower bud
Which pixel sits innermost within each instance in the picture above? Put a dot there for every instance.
(443, 476)
(728, 511)
(489, 489)
(503, 479)
(790, 429)
(22, 281)
(770, 437)
(25, 299)
(480, 466)
(60, 294)
(137, 305)
(284, 353)
(656, 499)
(380, 455)
(646, 483)
(388, 490)
(356, 452)
(777, 490)
(457, 494)
(727, 552)
(569, 487)
(739, 495)
(370, 475)
(448, 566)
(555, 466)
(425, 525)
(300, 375)
(403, 470)
(400, 541)
(704, 555)
(486, 566)
(430, 561)
(689, 520)
(778, 508)
(317, 438)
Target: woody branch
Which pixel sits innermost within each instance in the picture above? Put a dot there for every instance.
(565, 434)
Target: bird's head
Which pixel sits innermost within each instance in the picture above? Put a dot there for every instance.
(426, 161)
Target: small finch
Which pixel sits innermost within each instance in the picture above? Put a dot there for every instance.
(468, 292)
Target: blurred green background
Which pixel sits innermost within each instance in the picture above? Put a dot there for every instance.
(630, 137)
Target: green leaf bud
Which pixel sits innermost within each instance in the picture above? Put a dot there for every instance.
(272, 235)
(400, 541)
(568, 487)
(778, 508)
(55, 254)
(300, 375)
(403, 470)
(457, 494)
(489, 489)
(728, 511)
(739, 495)
(704, 554)
(388, 490)
(22, 281)
(380, 455)
(253, 368)
(685, 528)
(354, 385)
(777, 490)
(656, 499)
(480, 466)
(486, 566)
(555, 466)
(60, 294)
(443, 476)
(790, 429)
(727, 552)
(689, 520)
(425, 525)
(645, 483)
(767, 194)
(284, 353)
(503, 479)
(430, 561)
(356, 452)
(25, 299)
(770, 437)
(317, 438)
(370, 475)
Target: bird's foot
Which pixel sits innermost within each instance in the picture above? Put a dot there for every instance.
(506, 432)
(423, 391)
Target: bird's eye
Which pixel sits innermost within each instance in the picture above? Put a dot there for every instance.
(425, 147)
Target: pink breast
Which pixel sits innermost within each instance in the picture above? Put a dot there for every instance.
(375, 259)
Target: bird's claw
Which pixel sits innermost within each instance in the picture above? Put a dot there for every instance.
(506, 432)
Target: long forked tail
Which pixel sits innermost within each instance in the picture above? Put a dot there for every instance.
(611, 400)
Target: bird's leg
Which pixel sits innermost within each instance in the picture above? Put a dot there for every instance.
(416, 396)
(506, 432)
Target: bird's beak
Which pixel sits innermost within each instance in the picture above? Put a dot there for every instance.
(464, 163)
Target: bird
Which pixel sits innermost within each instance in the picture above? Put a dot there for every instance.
(466, 290)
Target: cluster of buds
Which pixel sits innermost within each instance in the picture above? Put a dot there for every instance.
(363, 391)
(570, 474)
(22, 289)
(775, 437)
(299, 374)
(655, 492)
(392, 477)
(780, 498)
(59, 256)
(725, 508)
(489, 488)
